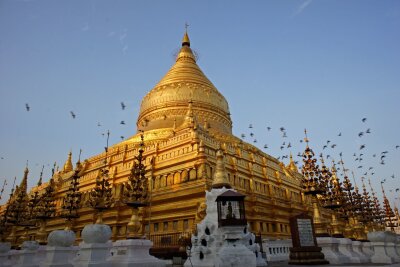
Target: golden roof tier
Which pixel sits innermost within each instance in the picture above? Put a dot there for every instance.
(166, 105)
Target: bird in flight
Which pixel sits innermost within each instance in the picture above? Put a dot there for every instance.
(122, 138)
(98, 124)
(27, 107)
(251, 134)
(397, 146)
(364, 120)
(333, 146)
(368, 131)
(269, 128)
(362, 147)
(73, 114)
(360, 134)
(282, 129)
(243, 135)
(251, 126)
(392, 176)
(123, 106)
(340, 134)
(265, 146)
(122, 122)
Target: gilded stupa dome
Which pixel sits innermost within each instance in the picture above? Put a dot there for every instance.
(167, 104)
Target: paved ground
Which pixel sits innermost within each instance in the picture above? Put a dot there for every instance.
(285, 264)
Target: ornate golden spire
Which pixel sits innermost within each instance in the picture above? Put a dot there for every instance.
(292, 165)
(166, 104)
(220, 177)
(68, 164)
(185, 39)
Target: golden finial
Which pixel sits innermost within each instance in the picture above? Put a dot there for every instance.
(68, 163)
(292, 164)
(306, 138)
(2, 189)
(41, 177)
(220, 177)
(186, 40)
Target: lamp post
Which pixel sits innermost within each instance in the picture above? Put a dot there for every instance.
(333, 200)
(100, 198)
(314, 184)
(136, 193)
(72, 200)
(45, 210)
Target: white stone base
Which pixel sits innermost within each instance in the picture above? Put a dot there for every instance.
(391, 251)
(380, 255)
(330, 248)
(235, 255)
(91, 255)
(57, 257)
(357, 249)
(398, 248)
(346, 248)
(134, 253)
(27, 255)
(4, 260)
(367, 249)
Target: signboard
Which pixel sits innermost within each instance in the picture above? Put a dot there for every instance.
(306, 237)
(302, 230)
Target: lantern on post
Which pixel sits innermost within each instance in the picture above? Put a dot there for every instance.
(231, 210)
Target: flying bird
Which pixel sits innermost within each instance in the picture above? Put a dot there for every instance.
(98, 124)
(282, 129)
(368, 131)
(392, 176)
(123, 106)
(284, 135)
(122, 122)
(397, 146)
(243, 135)
(325, 146)
(251, 134)
(340, 134)
(73, 114)
(269, 128)
(282, 147)
(333, 146)
(122, 138)
(289, 145)
(251, 126)
(27, 107)
(364, 120)
(255, 141)
(362, 147)
(360, 134)
(265, 146)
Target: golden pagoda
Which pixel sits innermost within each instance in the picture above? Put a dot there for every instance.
(185, 121)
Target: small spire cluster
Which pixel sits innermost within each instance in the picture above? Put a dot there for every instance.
(313, 180)
(136, 190)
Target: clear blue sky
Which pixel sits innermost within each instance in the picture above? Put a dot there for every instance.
(320, 65)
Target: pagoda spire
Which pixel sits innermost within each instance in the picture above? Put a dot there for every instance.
(292, 165)
(41, 177)
(220, 178)
(24, 183)
(68, 164)
(185, 39)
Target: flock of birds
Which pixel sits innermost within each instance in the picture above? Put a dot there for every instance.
(286, 146)
(73, 116)
(358, 156)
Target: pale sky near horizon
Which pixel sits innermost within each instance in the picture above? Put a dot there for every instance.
(320, 65)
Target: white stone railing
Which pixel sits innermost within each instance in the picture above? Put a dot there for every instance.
(277, 250)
